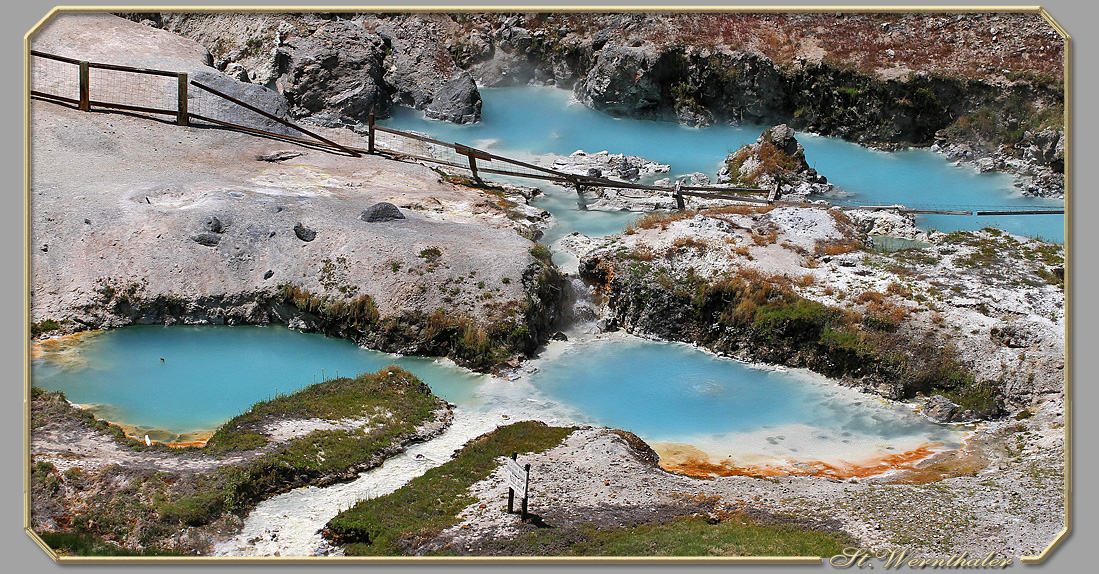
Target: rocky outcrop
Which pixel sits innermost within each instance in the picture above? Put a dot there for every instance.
(775, 161)
(626, 81)
(1038, 158)
(755, 69)
(604, 164)
(334, 70)
(940, 409)
(422, 73)
(334, 75)
(456, 101)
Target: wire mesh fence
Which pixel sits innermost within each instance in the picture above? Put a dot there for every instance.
(57, 78)
(89, 84)
(128, 89)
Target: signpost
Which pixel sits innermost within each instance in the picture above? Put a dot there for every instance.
(518, 479)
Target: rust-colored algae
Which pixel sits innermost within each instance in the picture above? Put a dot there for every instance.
(61, 347)
(924, 464)
(192, 439)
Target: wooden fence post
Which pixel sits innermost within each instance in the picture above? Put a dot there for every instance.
(370, 138)
(181, 107)
(473, 167)
(526, 491)
(85, 88)
(679, 203)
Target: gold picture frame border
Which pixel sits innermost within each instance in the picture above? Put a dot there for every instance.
(1068, 426)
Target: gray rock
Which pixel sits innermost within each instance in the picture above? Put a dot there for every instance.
(261, 97)
(212, 224)
(622, 82)
(237, 71)
(304, 233)
(1044, 147)
(689, 113)
(207, 239)
(456, 101)
(380, 212)
(939, 409)
(986, 164)
(783, 138)
(1017, 334)
(419, 70)
(629, 173)
(278, 156)
(269, 274)
(595, 172)
(335, 74)
(698, 178)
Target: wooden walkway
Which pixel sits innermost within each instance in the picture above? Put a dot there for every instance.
(59, 78)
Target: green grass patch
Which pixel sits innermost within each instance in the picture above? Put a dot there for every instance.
(359, 312)
(78, 544)
(44, 326)
(431, 254)
(385, 526)
(735, 535)
(394, 399)
(541, 253)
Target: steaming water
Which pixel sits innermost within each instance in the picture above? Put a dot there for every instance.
(529, 120)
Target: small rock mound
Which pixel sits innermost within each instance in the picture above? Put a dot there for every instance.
(212, 224)
(207, 239)
(775, 160)
(304, 233)
(381, 212)
(940, 409)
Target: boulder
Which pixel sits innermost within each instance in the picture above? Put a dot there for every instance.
(380, 212)
(237, 71)
(622, 82)
(419, 70)
(629, 173)
(1044, 147)
(207, 239)
(335, 74)
(456, 101)
(212, 224)
(698, 178)
(304, 233)
(940, 409)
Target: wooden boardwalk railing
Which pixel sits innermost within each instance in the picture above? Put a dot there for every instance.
(134, 92)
